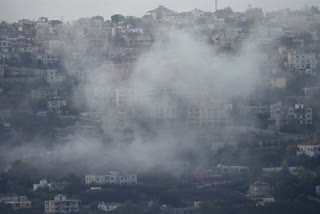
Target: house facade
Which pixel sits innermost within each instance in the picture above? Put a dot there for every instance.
(60, 204)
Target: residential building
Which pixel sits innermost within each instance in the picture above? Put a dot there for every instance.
(9, 197)
(160, 12)
(60, 204)
(56, 104)
(310, 148)
(270, 170)
(302, 61)
(44, 93)
(22, 203)
(116, 120)
(207, 175)
(318, 191)
(261, 191)
(233, 170)
(290, 115)
(137, 38)
(280, 82)
(54, 77)
(48, 58)
(219, 173)
(112, 177)
(198, 14)
(179, 19)
(227, 40)
(255, 109)
(185, 210)
(108, 207)
(311, 90)
(43, 184)
(51, 186)
(207, 114)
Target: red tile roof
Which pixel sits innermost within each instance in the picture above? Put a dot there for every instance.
(312, 142)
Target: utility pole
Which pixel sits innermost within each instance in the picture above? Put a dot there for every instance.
(216, 5)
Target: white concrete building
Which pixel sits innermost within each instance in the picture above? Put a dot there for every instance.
(48, 58)
(108, 207)
(54, 77)
(60, 204)
(318, 191)
(234, 31)
(259, 189)
(179, 19)
(270, 170)
(52, 186)
(310, 148)
(56, 105)
(112, 177)
(43, 183)
(233, 170)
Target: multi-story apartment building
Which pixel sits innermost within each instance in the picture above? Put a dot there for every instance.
(207, 114)
(112, 177)
(310, 148)
(15, 201)
(255, 109)
(60, 204)
(302, 61)
(44, 93)
(135, 96)
(284, 115)
(261, 192)
(51, 186)
(54, 77)
(49, 58)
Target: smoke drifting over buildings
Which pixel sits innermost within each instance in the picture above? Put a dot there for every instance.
(209, 111)
(146, 111)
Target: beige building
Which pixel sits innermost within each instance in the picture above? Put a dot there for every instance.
(279, 82)
(22, 203)
(60, 204)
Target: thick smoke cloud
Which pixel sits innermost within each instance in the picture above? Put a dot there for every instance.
(177, 60)
(193, 67)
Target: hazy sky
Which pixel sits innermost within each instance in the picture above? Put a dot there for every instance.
(12, 10)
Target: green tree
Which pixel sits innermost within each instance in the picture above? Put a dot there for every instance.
(25, 59)
(117, 18)
(75, 185)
